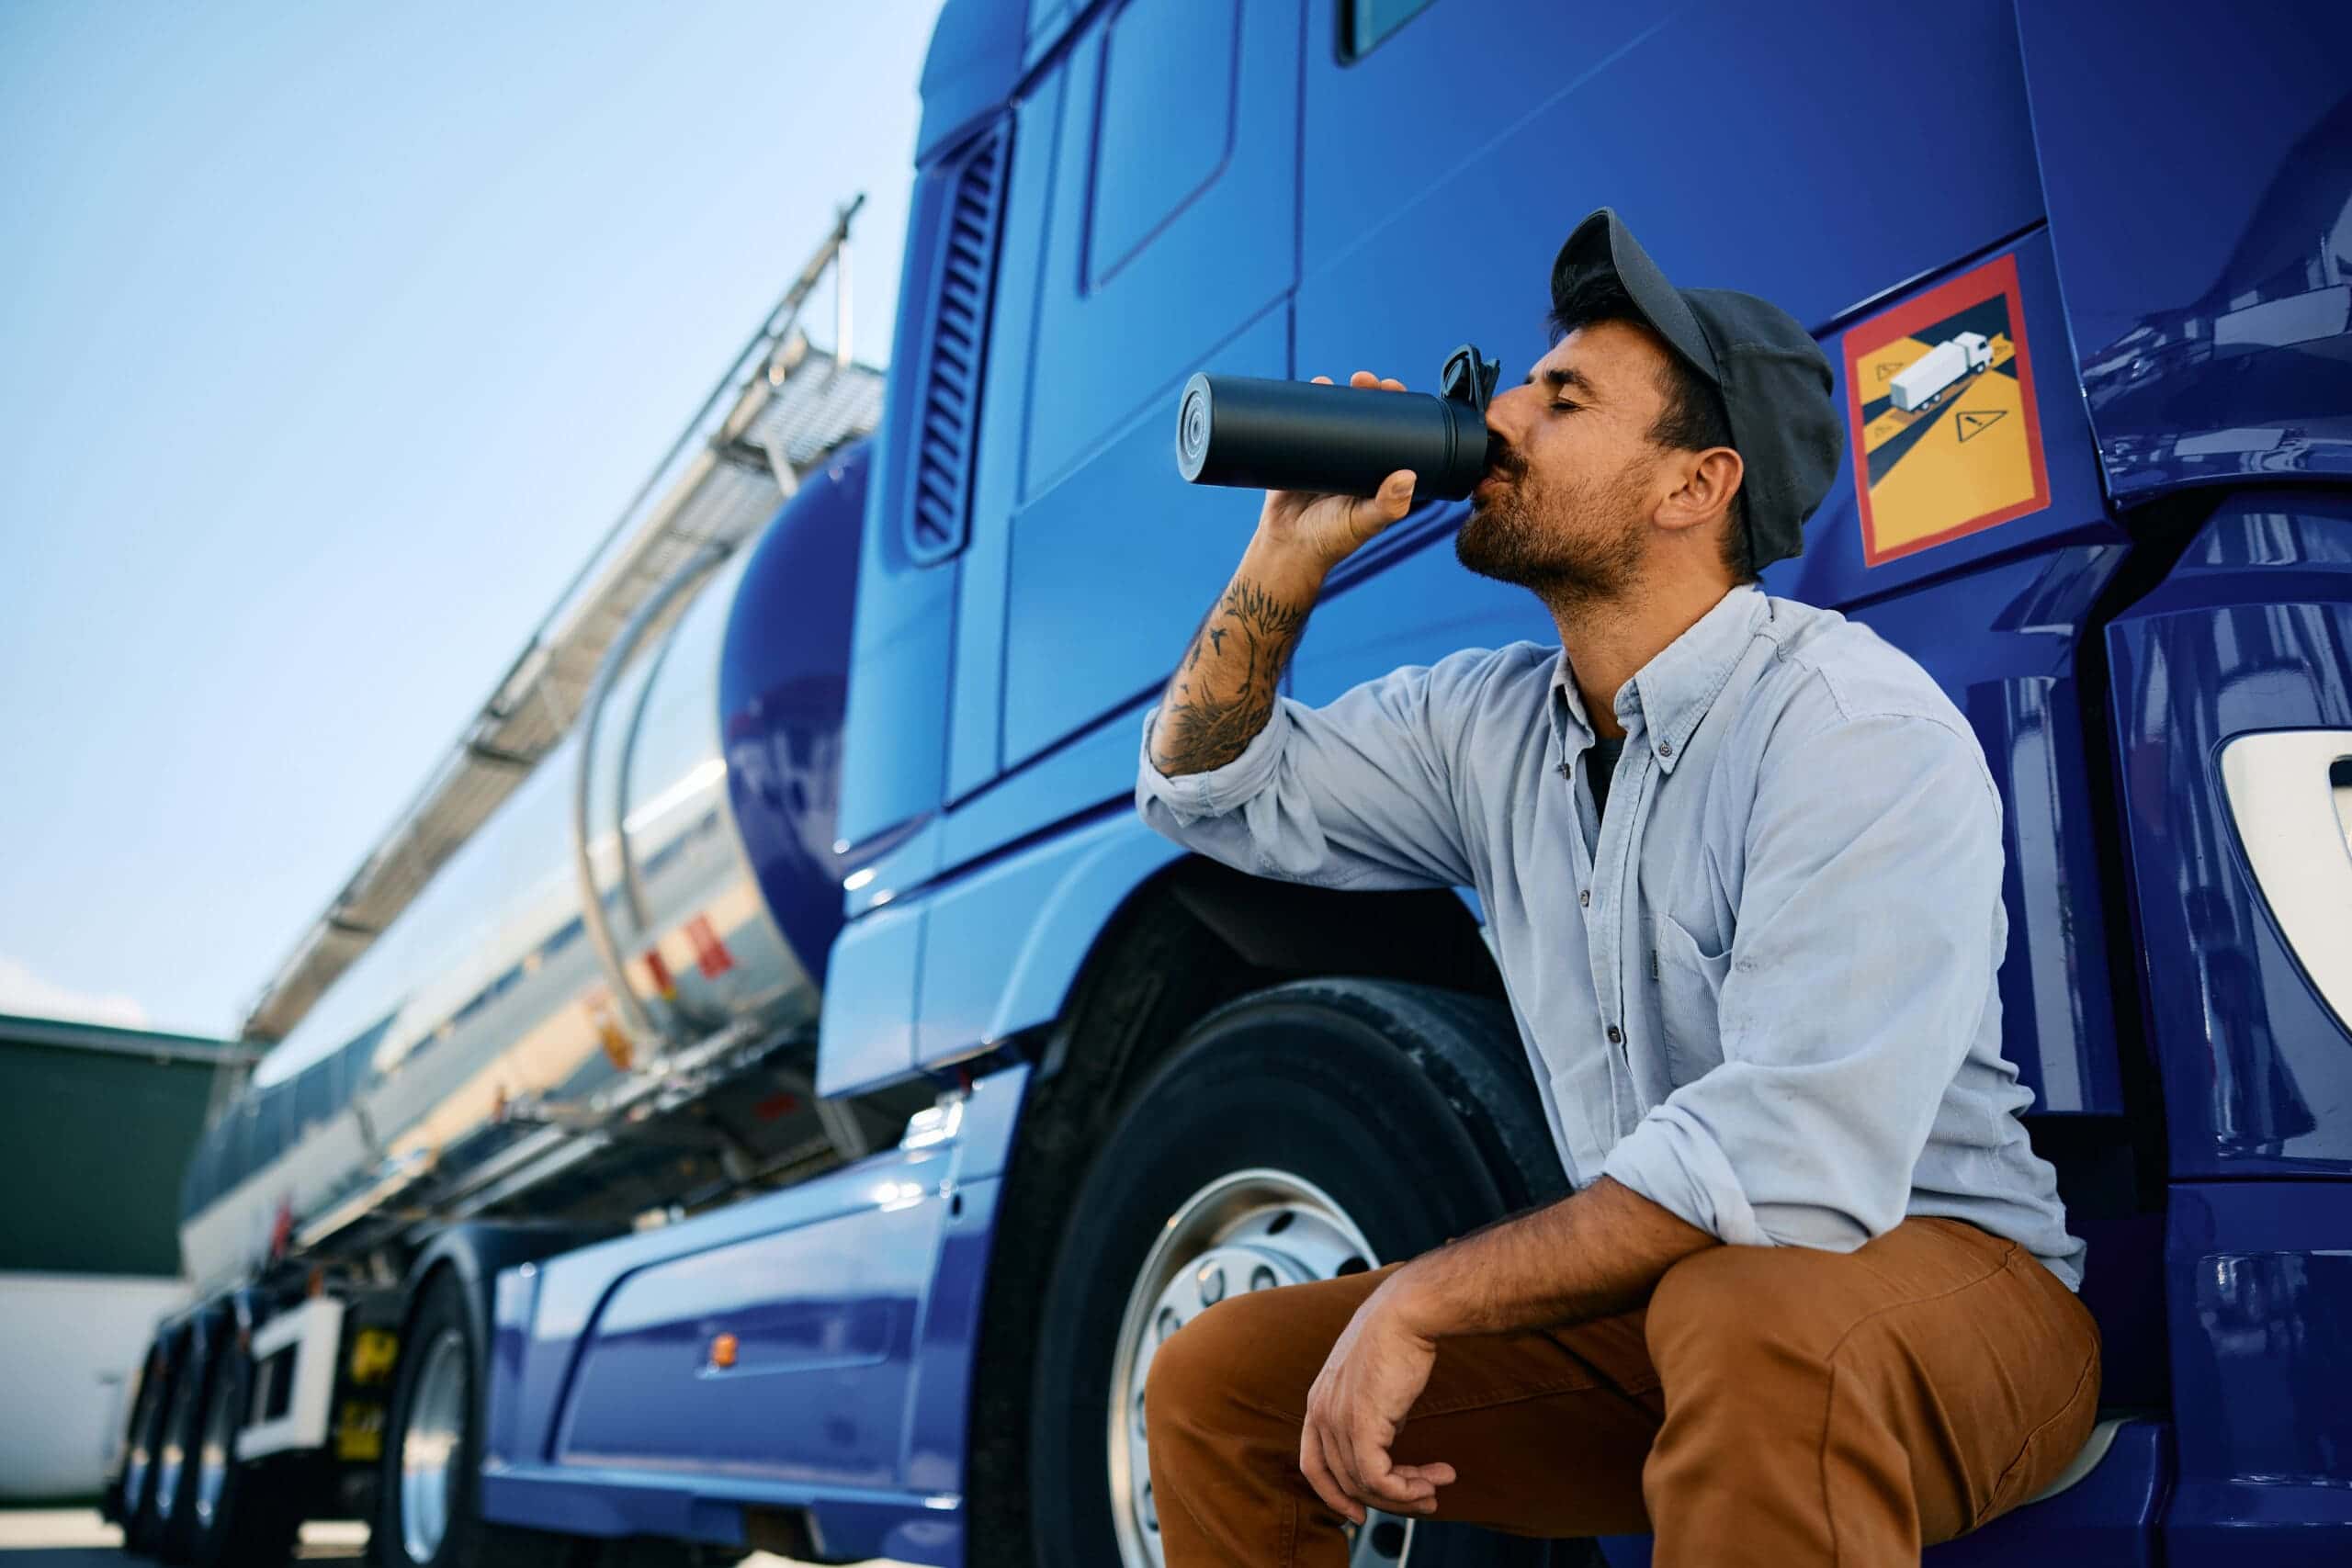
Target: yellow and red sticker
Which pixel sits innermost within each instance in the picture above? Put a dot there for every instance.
(1940, 397)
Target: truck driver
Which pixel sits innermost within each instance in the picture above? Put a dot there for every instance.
(1813, 1300)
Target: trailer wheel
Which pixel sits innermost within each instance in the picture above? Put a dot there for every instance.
(146, 1438)
(1314, 1129)
(240, 1516)
(428, 1511)
(176, 1462)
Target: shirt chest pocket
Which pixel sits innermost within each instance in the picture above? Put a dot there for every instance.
(1690, 982)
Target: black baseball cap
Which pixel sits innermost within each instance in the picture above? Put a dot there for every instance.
(1773, 377)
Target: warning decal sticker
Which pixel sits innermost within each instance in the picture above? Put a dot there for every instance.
(1940, 397)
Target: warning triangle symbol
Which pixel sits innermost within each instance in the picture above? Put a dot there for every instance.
(1973, 421)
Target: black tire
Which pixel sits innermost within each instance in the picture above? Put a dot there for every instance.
(1411, 1107)
(142, 1437)
(143, 1524)
(182, 1437)
(467, 1541)
(255, 1518)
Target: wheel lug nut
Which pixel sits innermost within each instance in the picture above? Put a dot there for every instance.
(1212, 1283)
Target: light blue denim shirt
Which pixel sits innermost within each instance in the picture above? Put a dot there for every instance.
(1759, 990)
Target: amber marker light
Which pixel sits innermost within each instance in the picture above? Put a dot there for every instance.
(722, 1351)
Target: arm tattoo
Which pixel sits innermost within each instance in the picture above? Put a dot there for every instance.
(1205, 731)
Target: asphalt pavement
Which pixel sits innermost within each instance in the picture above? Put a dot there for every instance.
(77, 1538)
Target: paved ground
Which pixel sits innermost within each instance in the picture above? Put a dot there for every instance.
(71, 1538)
(68, 1537)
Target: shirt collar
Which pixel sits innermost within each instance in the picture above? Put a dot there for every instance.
(1673, 692)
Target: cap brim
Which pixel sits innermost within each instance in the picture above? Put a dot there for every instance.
(1602, 243)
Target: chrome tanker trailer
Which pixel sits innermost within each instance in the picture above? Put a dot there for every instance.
(594, 1011)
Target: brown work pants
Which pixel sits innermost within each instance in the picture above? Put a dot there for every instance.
(1770, 1405)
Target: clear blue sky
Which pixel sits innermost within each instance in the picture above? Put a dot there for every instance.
(331, 340)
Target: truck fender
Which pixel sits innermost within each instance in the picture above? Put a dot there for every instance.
(1021, 926)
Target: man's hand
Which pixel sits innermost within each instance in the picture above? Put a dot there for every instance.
(1585, 1257)
(1327, 529)
(1375, 1370)
(1224, 688)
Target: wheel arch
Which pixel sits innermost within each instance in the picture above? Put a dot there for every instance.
(474, 1252)
(1193, 937)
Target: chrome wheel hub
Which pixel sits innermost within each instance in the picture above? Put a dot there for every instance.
(429, 1448)
(1254, 1230)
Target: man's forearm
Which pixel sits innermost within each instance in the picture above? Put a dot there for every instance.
(1598, 1252)
(1223, 691)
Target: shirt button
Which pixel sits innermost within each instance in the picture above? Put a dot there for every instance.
(1666, 748)
(1584, 896)
(1616, 1035)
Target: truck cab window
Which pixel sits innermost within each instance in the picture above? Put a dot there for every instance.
(1364, 24)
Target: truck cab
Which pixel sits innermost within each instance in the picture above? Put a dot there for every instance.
(2096, 354)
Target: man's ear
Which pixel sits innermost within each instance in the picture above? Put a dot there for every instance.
(1709, 479)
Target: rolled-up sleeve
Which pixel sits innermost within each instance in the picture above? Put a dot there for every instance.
(1868, 932)
(1357, 794)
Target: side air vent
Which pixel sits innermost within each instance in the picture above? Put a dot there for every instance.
(957, 353)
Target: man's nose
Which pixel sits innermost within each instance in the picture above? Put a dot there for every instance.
(1503, 422)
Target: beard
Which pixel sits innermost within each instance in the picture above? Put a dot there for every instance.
(1571, 543)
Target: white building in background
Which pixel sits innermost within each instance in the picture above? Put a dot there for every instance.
(96, 1127)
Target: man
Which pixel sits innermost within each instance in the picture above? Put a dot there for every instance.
(1813, 1300)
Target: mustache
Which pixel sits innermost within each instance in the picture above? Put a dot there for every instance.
(1504, 462)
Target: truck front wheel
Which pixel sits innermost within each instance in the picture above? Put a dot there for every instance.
(1315, 1129)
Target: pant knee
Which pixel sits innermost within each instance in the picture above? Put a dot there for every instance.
(1207, 1375)
(1181, 1378)
(1737, 1352)
(1730, 1310)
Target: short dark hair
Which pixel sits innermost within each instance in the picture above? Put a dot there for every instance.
(1693, 418)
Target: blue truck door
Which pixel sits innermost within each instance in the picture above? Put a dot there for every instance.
(1749, 146)
(1168, 243)
(2246, 644)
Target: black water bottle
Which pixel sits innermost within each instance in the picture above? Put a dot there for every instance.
(1309, 435)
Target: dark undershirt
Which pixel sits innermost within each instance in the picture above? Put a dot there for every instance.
(1598, 769)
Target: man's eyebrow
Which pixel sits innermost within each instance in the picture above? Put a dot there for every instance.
(1559, 376)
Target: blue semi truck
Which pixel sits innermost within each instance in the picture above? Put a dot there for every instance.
(780, 1100)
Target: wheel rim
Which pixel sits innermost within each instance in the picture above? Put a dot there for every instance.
(171, 1453)
(1253, 1230)
(212, 1458)
(436, 1419)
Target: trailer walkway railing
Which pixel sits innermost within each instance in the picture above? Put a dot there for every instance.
(776, 413)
